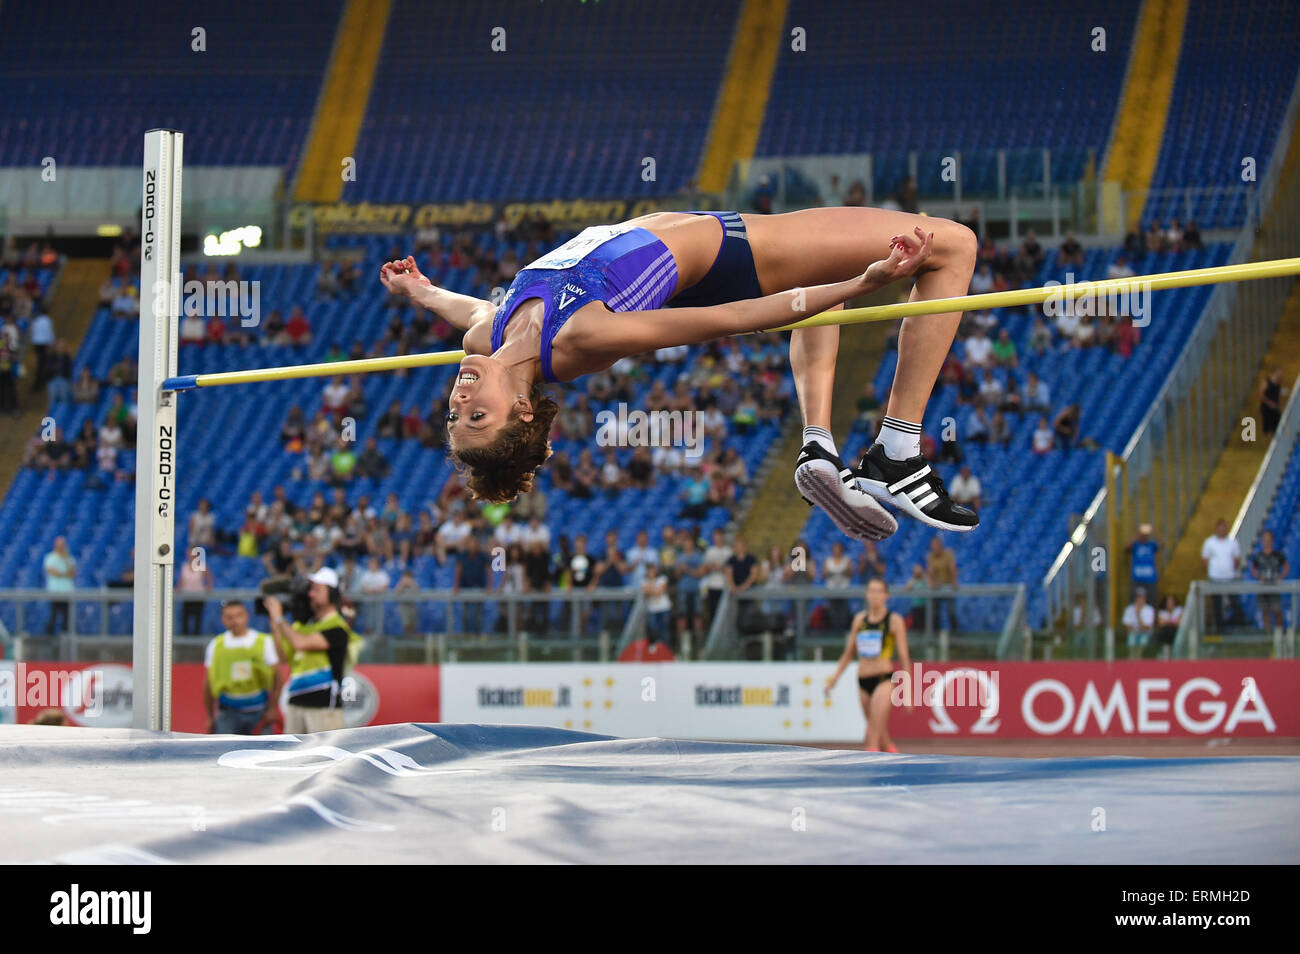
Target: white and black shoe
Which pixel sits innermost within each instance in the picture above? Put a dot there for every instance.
(824, 481)
(913, 487)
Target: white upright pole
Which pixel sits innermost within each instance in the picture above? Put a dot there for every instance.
(155, 484)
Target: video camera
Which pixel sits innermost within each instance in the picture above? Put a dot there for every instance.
(291, 591)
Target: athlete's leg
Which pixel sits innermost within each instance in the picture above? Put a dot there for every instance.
(869, 735)
(878, 716)
(820, 475)
(893, 469)
(813, 352)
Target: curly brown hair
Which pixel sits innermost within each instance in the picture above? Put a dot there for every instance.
(506, 468)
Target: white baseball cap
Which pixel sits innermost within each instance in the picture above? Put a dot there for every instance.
(326, 575)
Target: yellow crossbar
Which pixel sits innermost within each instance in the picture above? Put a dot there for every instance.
(1138, 284)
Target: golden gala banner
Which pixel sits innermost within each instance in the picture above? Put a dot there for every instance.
(396, 217)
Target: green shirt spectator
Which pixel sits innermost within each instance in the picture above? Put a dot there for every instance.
(1004, 350)
(344, 461)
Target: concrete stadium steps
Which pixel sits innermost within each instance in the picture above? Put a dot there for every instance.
(71, 308)
(1144, 108)
(742, 100)
(342, 106)
(1226, 489)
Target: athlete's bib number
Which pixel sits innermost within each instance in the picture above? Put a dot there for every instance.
(870, 642)
(577, 248)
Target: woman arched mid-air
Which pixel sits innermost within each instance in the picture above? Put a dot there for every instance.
(681, 278)
(876, 633)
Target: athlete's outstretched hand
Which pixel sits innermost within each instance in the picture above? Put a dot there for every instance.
(906, 254)
(402, 276)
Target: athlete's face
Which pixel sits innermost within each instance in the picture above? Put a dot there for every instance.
(480, 403)
(877, 595)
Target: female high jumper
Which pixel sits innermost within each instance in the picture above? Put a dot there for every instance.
(876, 633)
(682, 278)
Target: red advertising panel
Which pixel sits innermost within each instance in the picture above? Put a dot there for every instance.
(99, 694)
(1083, 700)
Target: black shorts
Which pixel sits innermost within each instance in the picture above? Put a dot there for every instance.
(868, 683)
(732, 276)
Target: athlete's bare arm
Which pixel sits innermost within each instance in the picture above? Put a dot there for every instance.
(846, 657)
(636, 332)
(403, 277)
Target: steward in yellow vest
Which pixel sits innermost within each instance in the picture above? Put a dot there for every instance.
(242, 689)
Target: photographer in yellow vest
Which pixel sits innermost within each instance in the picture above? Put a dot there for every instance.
(242, 688)
(319, 651)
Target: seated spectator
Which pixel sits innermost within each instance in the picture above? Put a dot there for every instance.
(1135, 245)
(1119, 268)
(1174, 235)
(999, 430)
(371, 463)
(1031, 254)
(1067, 322)
(1011, 400)
(389, 424)
(1127, 337)
(612, 478)
(1168, 618)
(412, 423)
(280, 560)
(1140, 621)
(1043, 440)
(215, 331)
(1070, 253)
(294, 430)
(696, 494)
(273, 331)
(1037, 396)
(433, 434)
(979, 350)
(298, 328)
(334, 397)
(193, 330)
(868, 407)
(58, 372)
(586, 476)
(1066, 426)
(977, 428)
(125, 303)
(871, 565)
(949, 449)
(640, 469)
(354, 405)
(453, 533)
(327, 283)
(1004, 350)
(1040, 338)
(990, 390)
(965, 489)
(342, 464)
(981, 282)
(1085, 333)
(1156, 238)
(668, 460)
(1192, 238)
(968, 388)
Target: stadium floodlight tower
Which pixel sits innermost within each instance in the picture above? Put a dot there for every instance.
(155, 484)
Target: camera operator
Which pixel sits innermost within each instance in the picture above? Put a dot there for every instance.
(318, 651)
